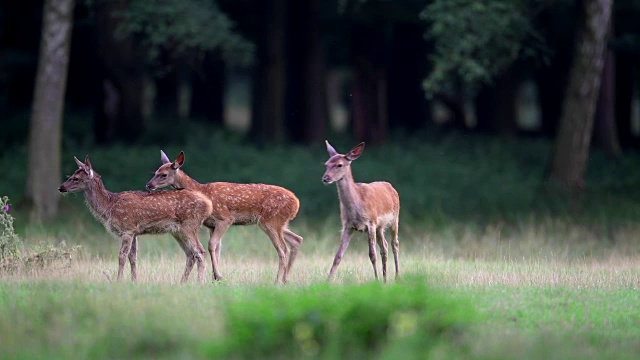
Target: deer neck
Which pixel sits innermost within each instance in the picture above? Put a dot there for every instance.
(348, 194)
(184, 181)
(98, 198)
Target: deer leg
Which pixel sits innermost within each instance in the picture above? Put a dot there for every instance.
(133, 258)
(395, 244)
(384, 251)
(371, 230)
(125, 247)
(344, 244)
(294, 241)
(277, 238)
(189, 252)
(218, 250)
(199, 255)
(215, 238)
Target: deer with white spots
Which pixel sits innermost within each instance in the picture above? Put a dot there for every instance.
(370, 208)
(269, 206)
(129, 214)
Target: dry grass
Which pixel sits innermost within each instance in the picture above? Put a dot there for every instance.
(615, 271)
(533, 253)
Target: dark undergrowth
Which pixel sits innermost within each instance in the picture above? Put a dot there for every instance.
(442, 178)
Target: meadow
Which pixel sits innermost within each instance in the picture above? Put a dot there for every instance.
(494, 263)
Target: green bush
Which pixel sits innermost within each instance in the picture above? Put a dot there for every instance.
(324, 321)
(14, 257)
(9, 241)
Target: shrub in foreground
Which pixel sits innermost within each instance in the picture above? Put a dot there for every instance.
(13, 256)
(325, 321)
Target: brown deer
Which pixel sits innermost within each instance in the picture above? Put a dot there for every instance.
(128, 214)
(369, 208)
(269, 206)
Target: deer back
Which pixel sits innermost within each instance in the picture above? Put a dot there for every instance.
(158, 212)
(251, 202)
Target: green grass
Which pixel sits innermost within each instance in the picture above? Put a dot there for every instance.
(437, 309)
(490, 295)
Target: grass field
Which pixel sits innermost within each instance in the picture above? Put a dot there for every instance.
(494, 265)
(486, 297)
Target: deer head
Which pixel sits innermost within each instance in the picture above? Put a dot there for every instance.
(338, 164)
(167, 173)
(80, 179)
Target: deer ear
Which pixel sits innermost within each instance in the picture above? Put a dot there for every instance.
(164, 158)
(355, 152)
(79, 163)
(177, 164)
(87, 167)
(330, 149)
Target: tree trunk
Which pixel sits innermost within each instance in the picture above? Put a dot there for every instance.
(121, 74)
(576, 123)
(496, 106)
(606, 129)
(270, 85)
(209, 90)
(148, 98)
(306, 76)
(561, 23)
(407, 69)
(362, 104)
(369, 94)
(624, 91)
(315, 84)
(48, 106)
(184, 91)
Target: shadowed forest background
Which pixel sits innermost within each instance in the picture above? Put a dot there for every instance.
(458, 101)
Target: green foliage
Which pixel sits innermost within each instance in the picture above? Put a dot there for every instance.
(82, 320)
(185, 29)
(10, 242)
(404, 320)
(324, 321)
(41, 256)
(474, 41)
(443, 179)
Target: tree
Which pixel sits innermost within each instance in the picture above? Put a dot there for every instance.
(307, 76)
(369, 93)
(141, 37)
(48, 104)
(606, 129)
(120, 75)
(576, 122)
(269, 91)
(474, 41)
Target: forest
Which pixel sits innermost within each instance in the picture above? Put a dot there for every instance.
(510, 130)
(290, 72)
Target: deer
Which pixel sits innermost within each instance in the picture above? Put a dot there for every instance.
(271, 207)
(364, 207)
(129, 214)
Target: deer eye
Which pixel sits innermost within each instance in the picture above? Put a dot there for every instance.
(339, 165)
(74, 179)
(164, 175)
